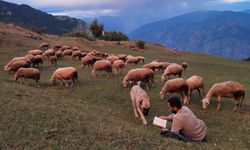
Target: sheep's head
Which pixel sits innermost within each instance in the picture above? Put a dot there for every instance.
(52, 80)
(15, 78)
(162, 94)
(205, 103)
(145, 105)
(124, 82)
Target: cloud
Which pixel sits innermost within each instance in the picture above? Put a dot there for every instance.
(87, 13)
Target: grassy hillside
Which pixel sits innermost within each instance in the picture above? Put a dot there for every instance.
(97, 113)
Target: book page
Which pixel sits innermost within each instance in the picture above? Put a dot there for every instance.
(160, 122)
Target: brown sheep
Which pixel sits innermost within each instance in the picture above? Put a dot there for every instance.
(172, 69)
(122, 57)
(53, 59)
(67, 52)
(196, 83)
(64, 47)
(112, 58)
(88, 61)
(37, 60)
(141, 59)
(102, 65)
(76, 53)
(132, 60)
(26, 58)
(178, 85)
(44, 46)
(35, 52)
(27, 73)
(16, 65)
(145, 75)
(119, 66)
(48, 53)
(225, 89)
(57, 46)
(63, 74)
(58, 54)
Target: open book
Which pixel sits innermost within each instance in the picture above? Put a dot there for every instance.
(160, 122)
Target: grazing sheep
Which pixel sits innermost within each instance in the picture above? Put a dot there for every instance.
(27, 73)
(75, 48)
(48, 53)
(44, 46)
(172, 69)
(57, 46)
(67, 52)
(145, 75)
(83, 54)
(132, 60)
(153, 66)
(112, 58)
(184, 65)
(35, 52)
(64, 47)
(178, 85)
(140, 101)
(76, 53)
(63, 74)
(122, 57)
(88, 61)
(53, 59)
(196, 83)
(58, 54)
(14, 66)
(102, 65)
(119, 65)
(225, 89)
(26, 58)
(37, 60)
(141, 59)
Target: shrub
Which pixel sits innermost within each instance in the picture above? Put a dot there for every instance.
(96, 28)
(140, 44)
(115, 36)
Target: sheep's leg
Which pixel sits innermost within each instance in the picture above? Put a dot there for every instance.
(236, 105)
(218, 98)
(141, 114)
(133, 103)
(65, 83)
(72, 82)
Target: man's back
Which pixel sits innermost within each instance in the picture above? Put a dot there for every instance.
(189, 124)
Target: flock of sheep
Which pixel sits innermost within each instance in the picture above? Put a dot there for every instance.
(113, 64)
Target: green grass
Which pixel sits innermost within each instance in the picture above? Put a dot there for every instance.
(97, 112)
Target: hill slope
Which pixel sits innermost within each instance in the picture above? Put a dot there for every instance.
(224, 34)
(97, 112)
(29, 17)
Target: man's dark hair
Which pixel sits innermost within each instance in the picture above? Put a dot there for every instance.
(175, 102)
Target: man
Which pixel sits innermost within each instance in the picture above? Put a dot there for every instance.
(185, 125)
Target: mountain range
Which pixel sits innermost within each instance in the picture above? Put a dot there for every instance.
(222, 33)
(26, 16)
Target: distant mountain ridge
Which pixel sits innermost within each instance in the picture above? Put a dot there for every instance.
(26, 16)
(219, 33)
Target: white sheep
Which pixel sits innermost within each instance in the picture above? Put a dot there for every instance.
(27, 73)
(196, 83)
(102, 65)
(172, 69)
(178, 85)
(145, 75)
(225, 89)
(63, 74)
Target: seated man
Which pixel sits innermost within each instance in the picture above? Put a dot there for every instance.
(185, 125)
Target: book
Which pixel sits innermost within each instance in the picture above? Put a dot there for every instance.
(160, 122)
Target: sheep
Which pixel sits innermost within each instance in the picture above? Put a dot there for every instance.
(75, 48)
(140, 102)
(64, 47)
(196, 83)
(172, 69)
(132, 60)
(112, 58)
(102, 65)
(26, 58)
(67, 52)
(83, 54)
(58, 54)
(153, 66)
(184, 65)
(141, 59)
(62, 74)
(225, 89)
(48, 53)
(119, 65)
(178, 85)
(57, 46)
(122, 57)
(89, 61)
(76, 53)
(53, 59)
(145, 75)
(14, 66)
(44, 46)
(37, 60)
(27, 73)
(35, 52)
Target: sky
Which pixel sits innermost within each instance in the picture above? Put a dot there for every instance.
(132, 11)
